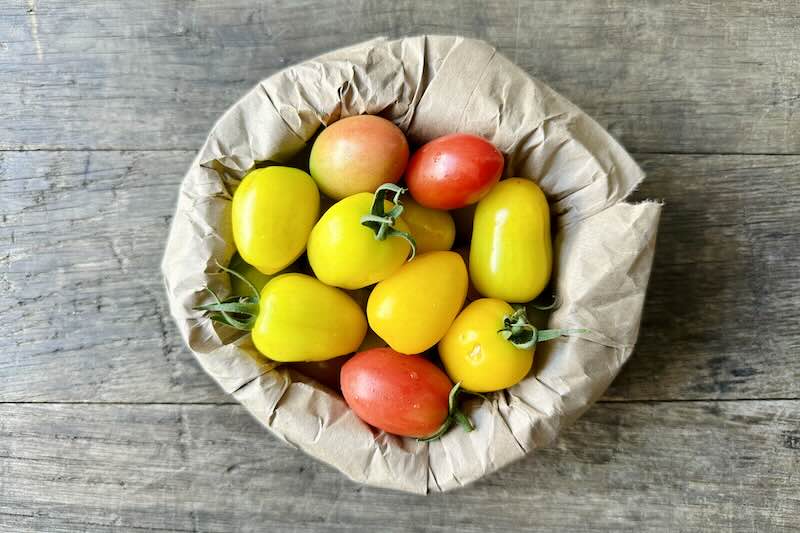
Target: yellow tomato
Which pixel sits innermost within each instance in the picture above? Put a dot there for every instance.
(511, 256)
(302, 319)
(413, 308)
(490, 346)
(345, 253)
(433, 229)
(475, 354)
(273, 211)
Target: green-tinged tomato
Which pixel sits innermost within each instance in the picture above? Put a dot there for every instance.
(490, 346)
(358, 154)
(413, 308)
(273, 211)
(511, 256)
(296, 318)
(359, 241)
(433, 229)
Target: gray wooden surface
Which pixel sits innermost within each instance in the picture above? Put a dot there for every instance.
(106, 422)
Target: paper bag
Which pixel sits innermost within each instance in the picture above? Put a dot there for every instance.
(428, 86)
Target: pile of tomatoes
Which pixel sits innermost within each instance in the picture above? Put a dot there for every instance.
(369, 264)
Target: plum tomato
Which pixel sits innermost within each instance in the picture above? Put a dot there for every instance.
(453, 171)
(358, 154)
(490, 345)
(272, 213)
(402, 394)
(413, 308)
(360, 241)
(511, 256)
(295, 318)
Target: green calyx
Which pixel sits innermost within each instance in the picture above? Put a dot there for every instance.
(454, 414)
(524, 335)
(382, 222)
(238, 312)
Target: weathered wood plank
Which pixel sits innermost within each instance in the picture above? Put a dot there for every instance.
(82, 235)
(80, 288)
(644, 467)
(722, 318)
(696, 76)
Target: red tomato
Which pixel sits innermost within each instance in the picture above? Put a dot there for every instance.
(453, 171)
(402, 394)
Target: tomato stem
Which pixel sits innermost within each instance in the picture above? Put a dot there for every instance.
(454, 414)
(382, 222)
(246, 307)
(524, 335)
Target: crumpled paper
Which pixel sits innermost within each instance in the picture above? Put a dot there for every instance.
(428, 86)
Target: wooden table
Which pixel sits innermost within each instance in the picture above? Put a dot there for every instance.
(106, 421)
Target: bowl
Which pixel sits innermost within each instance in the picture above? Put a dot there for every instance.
(429, 86)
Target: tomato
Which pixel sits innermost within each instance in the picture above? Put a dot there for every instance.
(453, 171)
(296, 318)
(273, 211)
(511, 256)
(413, 308)
(475, 354)
(402, 394)
(433, 229)
(490, 346)
(345, 252)
(357, 154)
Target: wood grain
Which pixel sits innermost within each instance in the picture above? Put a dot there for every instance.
(143, 440)
(634, 467)
(81, 293)
(695, 76)
(86, 318)
(722, 319)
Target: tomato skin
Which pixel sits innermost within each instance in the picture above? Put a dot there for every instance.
(432, 229)
(453, 171)
(272, 213)
(413, 308)
(344, 253)
(302, 319)
(511, 256)
(474, 353)
(402, 394)
(357, 154)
